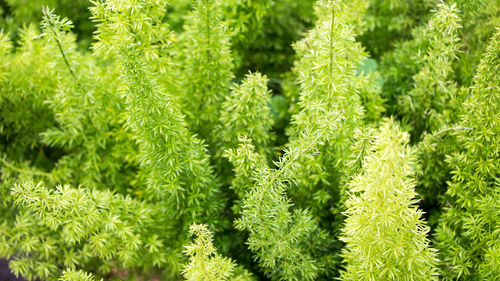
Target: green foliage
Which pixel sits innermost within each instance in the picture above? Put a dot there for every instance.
(205, 263)
(154, 117)
(328, 79)
(426, 106)
(83, 109)
(73, 275)
(263, 31)
(69, 227)
(468, 235)
(384, 234)
(208, 68)
(279, 237)
(246, 113)
(126, 22)
(128, 125)
(20, 12)
(388, 21)
(24, 115)
(480, 19)
(424, 63)
(161, 131)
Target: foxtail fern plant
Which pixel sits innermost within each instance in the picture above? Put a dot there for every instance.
(326, 74)
(283, 241)
(87, 112)
(468, 234)
(176, 161)
(208, 68)
(26, 81)
(76, 275)
(426, 65)
(431, 105)
(204, 262)
(433, 93)
(384, 233)
(184, 117)
(246, 113)
(75, 226)
(480, 18)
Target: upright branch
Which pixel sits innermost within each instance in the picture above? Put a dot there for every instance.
(468, 235)
(431, 103)
(384, 233)
(329, 58)
(176, 162)
(87, 107)
(207, 68)
(246, 113)
(284, 241)
(56, 27)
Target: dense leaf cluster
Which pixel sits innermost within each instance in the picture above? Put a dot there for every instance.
(250, 140)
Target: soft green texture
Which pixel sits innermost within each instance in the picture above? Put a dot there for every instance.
(74, 275)
(204, 262)
(468, 235)
(304, 140)
(384, 233)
